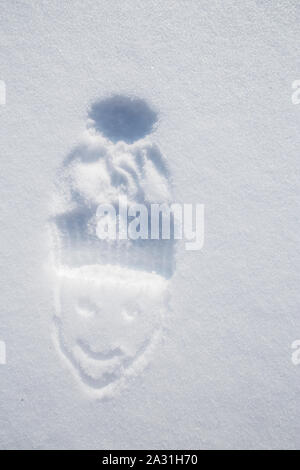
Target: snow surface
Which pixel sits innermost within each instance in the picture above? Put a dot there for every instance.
(218, 77)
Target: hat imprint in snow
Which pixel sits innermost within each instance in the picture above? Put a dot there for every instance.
(111, 297)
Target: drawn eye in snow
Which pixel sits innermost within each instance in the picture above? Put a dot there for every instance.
(111, 296)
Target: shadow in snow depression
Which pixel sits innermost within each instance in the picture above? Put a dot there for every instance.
(123, 118)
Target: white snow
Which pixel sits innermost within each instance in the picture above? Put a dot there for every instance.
(219, 76)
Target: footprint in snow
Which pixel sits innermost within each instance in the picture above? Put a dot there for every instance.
(110, 296)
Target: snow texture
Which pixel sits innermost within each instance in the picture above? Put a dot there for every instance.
(146, 347)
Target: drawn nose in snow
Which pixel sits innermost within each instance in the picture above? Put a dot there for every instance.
(111, 296)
